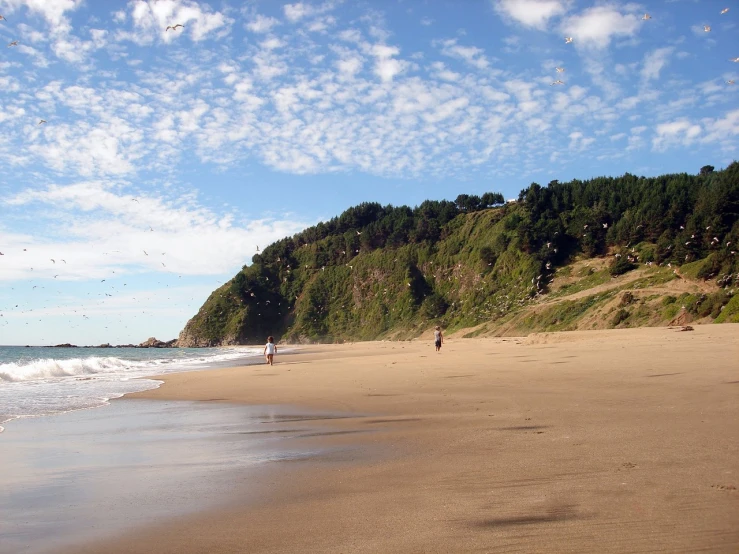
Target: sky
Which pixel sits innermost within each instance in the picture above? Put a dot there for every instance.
(142, 166)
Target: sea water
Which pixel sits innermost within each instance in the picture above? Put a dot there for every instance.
(36, 381)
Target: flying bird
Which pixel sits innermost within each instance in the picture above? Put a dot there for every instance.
(730, 82)
(144, 251)
(53, 260)
(41, 121)
(735, 60)
(707, 28)
(646, 17)
(65, 261)
(559, 69)
(2, 18)
(568, 40)
(725, 10)
(557, 82)
(14, 43)
(135, 200)
(174, 27)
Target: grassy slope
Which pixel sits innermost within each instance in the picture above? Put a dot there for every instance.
(401, 292)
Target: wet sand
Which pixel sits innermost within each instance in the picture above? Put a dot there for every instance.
(602, 441)
(87, 474)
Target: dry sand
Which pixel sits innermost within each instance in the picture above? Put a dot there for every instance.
(602, 441)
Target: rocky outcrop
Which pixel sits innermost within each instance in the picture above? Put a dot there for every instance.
(152, 342)
(65, 345)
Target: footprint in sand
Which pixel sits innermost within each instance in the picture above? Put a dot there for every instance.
(628, 465)
(724, 487)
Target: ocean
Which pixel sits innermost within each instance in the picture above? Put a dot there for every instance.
(37, 381)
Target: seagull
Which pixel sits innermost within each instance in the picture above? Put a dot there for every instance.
(646, 17)
(41, 121)
(557, 82)
(735, 60)
(359, 232)
(53, 260)
(725, 10)
(605, 225)
(730, 82)
(135, 200)
(559, 69)
(65, 261)
(707, 28)
(14, 43)
(145, 252)
(174, 27)
(568, 40)
(1, 254)
(150, 229)
(2, 18)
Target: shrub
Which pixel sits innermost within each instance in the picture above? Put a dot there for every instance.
(620, 316)
(434, 306)
(626, 299)
(621, 265)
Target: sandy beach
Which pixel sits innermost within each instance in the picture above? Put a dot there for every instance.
(602, 441)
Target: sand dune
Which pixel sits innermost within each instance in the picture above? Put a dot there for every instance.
(603, 441)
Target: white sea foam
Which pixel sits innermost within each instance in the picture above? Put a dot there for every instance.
(31, 387)
(50, 368)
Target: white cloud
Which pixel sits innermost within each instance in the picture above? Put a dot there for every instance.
(470, 54)
(531, 13)
(262, 24)
(680, 132)
(150, 19)
(654, 62)
(98, 228)
(386, 65)
(597, 26)
(53, 11)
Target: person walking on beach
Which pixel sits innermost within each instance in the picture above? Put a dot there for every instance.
(270, 349)
(438, 338)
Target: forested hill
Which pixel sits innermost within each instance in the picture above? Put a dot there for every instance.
(377, 271)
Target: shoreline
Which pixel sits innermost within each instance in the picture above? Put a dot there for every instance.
(502, 443)
(101, 400)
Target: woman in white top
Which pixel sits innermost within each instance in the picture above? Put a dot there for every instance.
(270, 349)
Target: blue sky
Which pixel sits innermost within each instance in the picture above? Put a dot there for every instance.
(168, 156)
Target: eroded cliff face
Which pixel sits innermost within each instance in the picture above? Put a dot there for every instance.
(191, 339)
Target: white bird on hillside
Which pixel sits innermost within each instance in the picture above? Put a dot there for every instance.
(605, 225)
(707, 28)
(646, 17)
